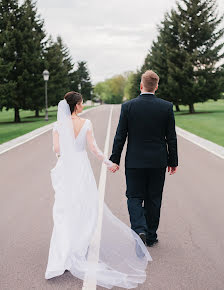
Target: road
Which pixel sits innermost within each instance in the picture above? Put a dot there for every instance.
(189, 254)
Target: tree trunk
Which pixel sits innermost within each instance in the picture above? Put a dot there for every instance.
(37, 113)
(191, 109)
(16, 116)
(177, 108)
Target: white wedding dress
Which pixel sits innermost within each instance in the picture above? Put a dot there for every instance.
(121, 255)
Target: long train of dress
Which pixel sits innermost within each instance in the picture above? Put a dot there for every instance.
(122, 257)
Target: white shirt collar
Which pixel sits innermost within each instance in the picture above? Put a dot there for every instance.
(147, 93)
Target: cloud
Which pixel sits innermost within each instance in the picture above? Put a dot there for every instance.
(112, 36)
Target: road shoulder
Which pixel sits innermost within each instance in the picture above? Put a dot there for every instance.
(31, 135)
(201, 142)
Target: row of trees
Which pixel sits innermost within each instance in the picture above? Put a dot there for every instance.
(111, 91)
(25, 51)
(186, 55)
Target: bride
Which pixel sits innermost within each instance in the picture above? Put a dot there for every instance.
(120, 258)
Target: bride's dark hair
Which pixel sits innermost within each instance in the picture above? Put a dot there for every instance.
(72, 99)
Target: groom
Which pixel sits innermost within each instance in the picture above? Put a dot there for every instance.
(149, 124)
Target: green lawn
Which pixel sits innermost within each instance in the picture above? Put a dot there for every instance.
(10, 130)
(207, 122)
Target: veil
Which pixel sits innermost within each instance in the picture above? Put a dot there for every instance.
(65, 129)
(115, 255)
(69, 157)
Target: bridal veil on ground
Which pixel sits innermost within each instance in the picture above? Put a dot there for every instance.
(121, 257)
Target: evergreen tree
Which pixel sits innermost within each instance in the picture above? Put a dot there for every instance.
(30, 81)
(24, 54)
(80, 81)
(186, 54)
(9, 56)
(74, 81)
(21, 63)
(59, 64)
(158, 59)
(198, 34)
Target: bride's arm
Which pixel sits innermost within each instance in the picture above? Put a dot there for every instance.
(56, 147)
(94, 148)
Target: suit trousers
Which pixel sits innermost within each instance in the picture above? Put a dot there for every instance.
(145, 186)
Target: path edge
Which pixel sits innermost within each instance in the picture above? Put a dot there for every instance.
(6, 146)
(201, 142)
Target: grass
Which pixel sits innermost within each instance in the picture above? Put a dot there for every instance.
(10, 130)
(207, 122)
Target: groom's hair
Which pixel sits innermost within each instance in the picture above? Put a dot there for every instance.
(150, 80)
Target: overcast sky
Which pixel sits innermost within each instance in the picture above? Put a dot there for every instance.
(112, 36)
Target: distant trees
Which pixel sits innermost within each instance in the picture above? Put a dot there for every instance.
(187, 54)
(111, 91)
(132, 87)
(25, 53)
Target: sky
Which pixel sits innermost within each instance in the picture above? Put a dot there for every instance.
(111, 36)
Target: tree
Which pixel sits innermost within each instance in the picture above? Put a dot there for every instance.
(101, 91)
(80, 81)
(9, 38)
(116, 85)
(187, 52)
(111, 91)
(199, 33)
(21, 62)
(24, 54)
(160, 60)
(30, 79)
(133, 84)
(59, 63)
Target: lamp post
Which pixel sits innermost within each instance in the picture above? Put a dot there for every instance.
(91, 95)
(79, 88)
(46, 78)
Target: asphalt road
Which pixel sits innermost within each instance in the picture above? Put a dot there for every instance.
(190, 251)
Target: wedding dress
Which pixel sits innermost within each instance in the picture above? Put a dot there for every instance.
(122, 257)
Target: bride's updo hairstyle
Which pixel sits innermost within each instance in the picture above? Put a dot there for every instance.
(72, 99)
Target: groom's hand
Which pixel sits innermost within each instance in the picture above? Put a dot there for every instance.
(172, 170)
(114, 168)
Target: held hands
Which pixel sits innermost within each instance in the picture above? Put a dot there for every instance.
(114, 168)
(172, 170)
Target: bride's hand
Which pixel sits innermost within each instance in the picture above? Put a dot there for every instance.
(114, 168)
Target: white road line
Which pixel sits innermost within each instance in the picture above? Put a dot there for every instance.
(89, 283)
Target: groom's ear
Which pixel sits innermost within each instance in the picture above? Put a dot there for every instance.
(141, 86)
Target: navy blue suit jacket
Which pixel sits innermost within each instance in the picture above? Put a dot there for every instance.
(148, 124)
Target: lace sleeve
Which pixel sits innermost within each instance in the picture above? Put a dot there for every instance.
(56, 147)
(93, 146)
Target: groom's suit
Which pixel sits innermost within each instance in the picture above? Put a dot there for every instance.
(148, 123)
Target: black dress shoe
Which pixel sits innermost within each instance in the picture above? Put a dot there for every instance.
(151, 243)
(143, 237)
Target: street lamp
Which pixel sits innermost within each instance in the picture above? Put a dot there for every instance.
(46, 78)
(79, 87)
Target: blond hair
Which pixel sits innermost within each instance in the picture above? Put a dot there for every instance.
(149, 80)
